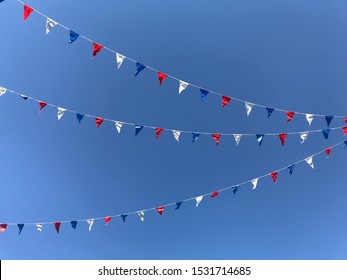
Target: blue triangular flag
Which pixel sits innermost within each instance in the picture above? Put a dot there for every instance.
(195, 136)
(74, 224)
(345, 144)
(20, 227)
(24, 97)
(73, 36)
(139, 68)
(260, 138)
(329, 119)
(124, 217)
(326, 133)
(291, 169)
(138, 128)
(79, 117)
(2, 1)
(235, 189)
(203, 93)
(269, 111)
(178, 205)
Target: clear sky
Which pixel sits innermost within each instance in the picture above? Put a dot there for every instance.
(285, 54)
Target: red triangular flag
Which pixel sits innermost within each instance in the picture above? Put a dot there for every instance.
(225, 100)
(274, 176)
(290, 116)
(345, 119)
(107, 220)
(158, 131)
(3, 227)
(214, 194)
(57, 226)
(96, 49)
(98, 121)
(328, 151)
(42, 105)
(216, 137)
(161, 77)
(344, 130)
(283, 137)
(27, 11)
(160, 210)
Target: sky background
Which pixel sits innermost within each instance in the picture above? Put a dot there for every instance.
(285, 54)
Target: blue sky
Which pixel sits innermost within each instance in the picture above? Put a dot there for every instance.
(285, 54)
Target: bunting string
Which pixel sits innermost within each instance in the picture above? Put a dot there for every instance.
(182, 85)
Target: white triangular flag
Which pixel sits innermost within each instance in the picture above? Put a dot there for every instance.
(309, 161)
(249, 107)
(2, 91)
(255, 183)
(237, 138)
(39, 227)
(61, 112)
(120, 59)
(50, 23)
(303, 136)
(183, 86)
(198, 200)
(90, 223)
(141, 215)
(118, 126)
(176, 134)
(309, 118)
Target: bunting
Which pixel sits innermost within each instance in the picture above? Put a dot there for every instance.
(3, 227)
(96, 49)
(2, 91)
(158, 131)
(20, 228)
(176, 135)
(214, 194)
(225, 100)
(326, 133)
(42, 105)
(290, 116)
(273, 175)
(291, 169)
(139, 68)
(161, 77)
(79, 117)
(73, 36)
(309, 118)
(344, 130)
(283, 137)
(99, 121)
(178, 205)
(198, 199)
(328, 151)
(260, 138)
(118, 126)
(73, 224)
(50, 23)
(309, 161)
(119, 59)
(141, 214)
(160, 210)
(303, 136)
(90, 223)
(107, 220)
(138, 129)
(57, 226)
(248, 107)
(27, 11)
(61, 112)
(39, 227)
(203, 94)
(254, 183)
(195, 136)
(235, 189)
(237, 138)
(182, 87)
(269, 111)
(124, 217)
(216, 137)
(329, 119)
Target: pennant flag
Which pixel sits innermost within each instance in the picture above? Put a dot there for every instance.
(260, 138)
(274, 176)
(27, 11)
(269, 111)
(309, 118)
(235, 189)
(124, 217)
(79, 117)
(141, 215)
(2, 1)
(57, 226)
(328, 151)
(345, 119)
(160, 210)
(3, 227)
(198, 200)
(161, 77)
(73, 224)
(255, 183)
(50, 23)
(290, 116)
(326, 133)
(182, 87)
(176, 134)
(96, 49)
(98, 121)
(42, 105)
(225, 100)
(345, 144)
(20, 228)
(139, 68)
(119, 58)
(249, 107)
(61, 112)
(90, 223)
(283, 137)
(2, 90)
(344, 130)
(73, 36)
(216, 137)
(107, 220)
(291, 169)
(303, 136)
(178, 205)
(24, 97)
(39, 227)
(203, 94)
(214, 194)
(118, 126)
(138, 128)
(195, 136)
(329, 119)
(237, 138)
(309, 161)
(158, 131)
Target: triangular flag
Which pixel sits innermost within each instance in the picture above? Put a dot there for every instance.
(309, 118)
(158, 131)
(214, 194)
(182, 87)
(3, 227)
(24, 97)
(235, 189)
(20, 228)
(107, 220)
(27, 11)
(73, 224)
(141, 215)
(290, 116)
(329, 119)
(328, 151)
(176, 134)
(344, 130)
(274, 176)
(73, 36)
(225, 100)
(99, 121)
(269, 111)
(255, 183)
(50, 23)
(216, 137)
(237, 138)
(42, 105)
(309, 161)
(118, 126)
(39, 227)
(57, 226)
(283, 137)
(79, 117)
(119, 58)
(124, 217)
(248, 107)
(260, 138)
(203, 94)
(2, 90)
(90, 223)
(178, 205)
(345, 144)
(160, 210)
(195, 136)
(326, 133)
(139, 68)
(291, 169)
(161, 77)
(345, 119)
(138, 128)
(198, 200)
(96, 49)
(61, 112)
(303, 136)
